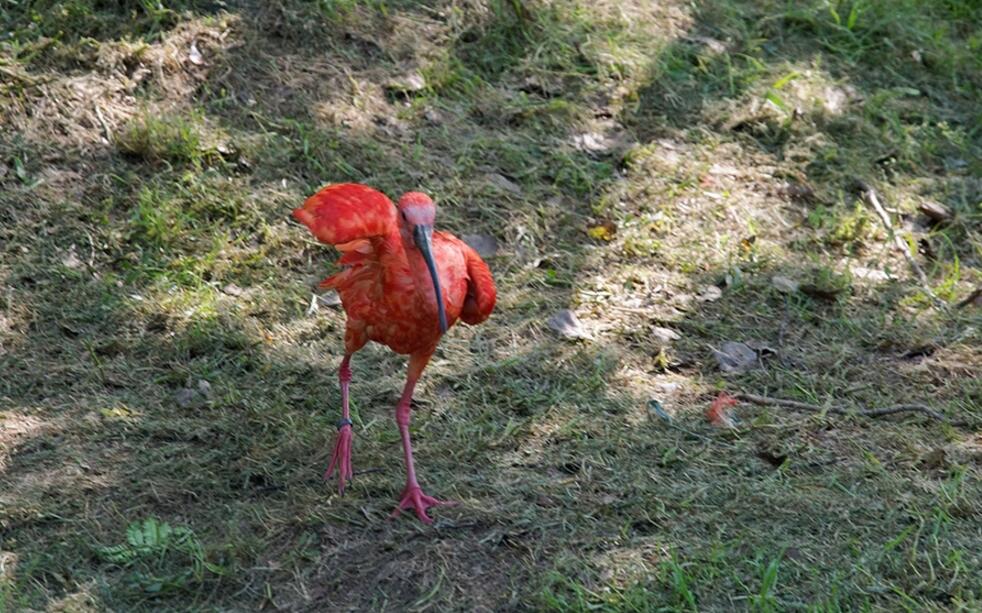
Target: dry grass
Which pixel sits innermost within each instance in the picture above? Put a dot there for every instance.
(158, 363)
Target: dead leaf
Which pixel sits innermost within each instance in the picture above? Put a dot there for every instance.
(605, 231)
(567, 325)
(747, 244)
(327, 299)
(717, 413)
(763, 349)
(784, 284)
(194, 54)
(485, 245)
(734, 357)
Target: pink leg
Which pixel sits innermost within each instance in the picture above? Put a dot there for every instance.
(341, 458)
(412, 496)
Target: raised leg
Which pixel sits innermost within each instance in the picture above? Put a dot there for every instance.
(412, 496)
(341, 458)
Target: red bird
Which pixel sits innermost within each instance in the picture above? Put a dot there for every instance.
(403, 285)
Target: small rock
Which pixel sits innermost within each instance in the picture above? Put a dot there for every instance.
(799, 192)
(734, 357)
(869, 274)
(485, 245)
(665, 335)
(709, 293)
(185, 397)
(591, 142)
(329, 299)
(821, 292)
(935, 459)
(835, 99)
(784, 284)
(723, 170)
(567, 325)
(504, 183)
(233, 290)
(410, 83)
(716, 46)
(71, 260)
(938, 213)
(204, 388)
(433, 116)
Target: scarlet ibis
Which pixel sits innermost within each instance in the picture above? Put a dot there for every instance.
(402, 285)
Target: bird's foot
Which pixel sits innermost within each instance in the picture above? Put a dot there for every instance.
(414, 498)
(341, 458)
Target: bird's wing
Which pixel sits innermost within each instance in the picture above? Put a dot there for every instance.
(354, 218)
(345, 213)
(481, 292)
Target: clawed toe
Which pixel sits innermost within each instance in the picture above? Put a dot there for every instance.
(413, 498)
(341, 459)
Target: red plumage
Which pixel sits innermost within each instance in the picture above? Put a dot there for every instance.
(389, 292)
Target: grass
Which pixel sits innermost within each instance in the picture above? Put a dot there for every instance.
(167, 403)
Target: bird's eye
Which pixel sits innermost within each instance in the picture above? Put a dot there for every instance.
(403, 213)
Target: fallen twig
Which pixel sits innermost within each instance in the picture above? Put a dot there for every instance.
(814, 408)
(869, 194)
(970, 299)
(19, 75)
(102, 122)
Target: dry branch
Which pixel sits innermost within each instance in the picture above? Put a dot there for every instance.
(814, 408)
(869, 194)
(970, 299)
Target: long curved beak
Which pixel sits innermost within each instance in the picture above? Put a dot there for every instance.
(423, 237)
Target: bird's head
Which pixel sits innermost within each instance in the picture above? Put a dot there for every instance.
(416, 215)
